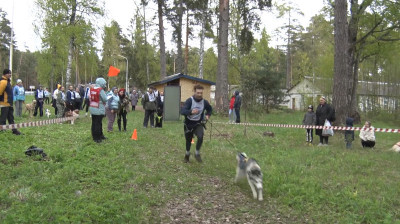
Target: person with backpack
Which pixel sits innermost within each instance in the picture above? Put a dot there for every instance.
(98, 99)
(6, 100)
(325, 112)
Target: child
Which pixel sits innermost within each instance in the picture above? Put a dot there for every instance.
(232, 115)
(309, 119)
(349, 135)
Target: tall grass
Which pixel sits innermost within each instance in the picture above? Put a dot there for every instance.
(146, 181)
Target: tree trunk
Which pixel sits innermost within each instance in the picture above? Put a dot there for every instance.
(163, 66)
(202, 37)
(71, 44)
(288, 59)
(187, 43)
(145, 44)
(340, 79)
(179, 59)
(354, 56)
(221, 93)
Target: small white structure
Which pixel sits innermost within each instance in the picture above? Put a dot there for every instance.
(301, 95)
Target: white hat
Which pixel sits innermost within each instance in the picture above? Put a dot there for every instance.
(19, 81)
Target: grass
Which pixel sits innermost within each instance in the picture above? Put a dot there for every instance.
(146, 181)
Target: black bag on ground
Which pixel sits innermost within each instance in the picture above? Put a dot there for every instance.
(33, 150)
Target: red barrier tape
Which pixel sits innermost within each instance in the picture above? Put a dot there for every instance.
(36, 123)
(388, 130)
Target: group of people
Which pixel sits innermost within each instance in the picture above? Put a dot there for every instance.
(324, 116)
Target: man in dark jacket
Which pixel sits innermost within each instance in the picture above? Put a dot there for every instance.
(39, 97)
(6, 100)
(194, 110)
(237, 105)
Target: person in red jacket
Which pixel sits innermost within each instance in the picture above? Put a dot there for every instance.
(232, 115)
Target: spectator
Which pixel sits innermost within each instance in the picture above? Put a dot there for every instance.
(324, 112)
(70, 98)
(6, 99)
(134, 99)
(46, 96)
(60, 101)
(232, 116)
(19, 97)
(159, 110)
(112, 108)
(54, 101)
(86, 99)
(149, 105)
(237, 105)
(39, 97)
(349, 134)
(98, 98)
(123, 108)
(309, 119)
(367, 135)
(78, 99)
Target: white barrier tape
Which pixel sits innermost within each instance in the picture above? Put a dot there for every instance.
(35, 123)
(313, 127)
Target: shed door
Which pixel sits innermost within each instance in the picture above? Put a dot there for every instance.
(172, 99)
(293, 103)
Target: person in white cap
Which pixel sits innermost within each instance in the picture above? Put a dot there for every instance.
(19, 97)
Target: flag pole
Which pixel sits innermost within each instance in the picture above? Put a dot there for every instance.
(11, 42)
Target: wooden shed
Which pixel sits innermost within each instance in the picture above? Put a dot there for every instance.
(186, 83)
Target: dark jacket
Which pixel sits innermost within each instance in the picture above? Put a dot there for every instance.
(238, 100)
(187, 110)
(323, 112)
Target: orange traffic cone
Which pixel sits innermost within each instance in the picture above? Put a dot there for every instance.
(192, 140)
(134, 135)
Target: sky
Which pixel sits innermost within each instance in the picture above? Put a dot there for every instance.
(122, 11)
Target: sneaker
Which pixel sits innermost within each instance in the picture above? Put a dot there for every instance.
(186, 158)
(198, 158)
(320, 144)
(98, 141)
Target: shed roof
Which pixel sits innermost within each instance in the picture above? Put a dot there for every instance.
(178, 76)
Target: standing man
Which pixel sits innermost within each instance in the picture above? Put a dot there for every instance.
(194, 110)
(39, 97)
(19, 97)
(98, 99)
(237, 105)
(6, 99)
(86, 99)
(149, 105)
(70, 98)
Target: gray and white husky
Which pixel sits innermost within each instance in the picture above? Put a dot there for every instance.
(250, 169)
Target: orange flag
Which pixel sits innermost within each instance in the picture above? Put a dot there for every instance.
(113, 71)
